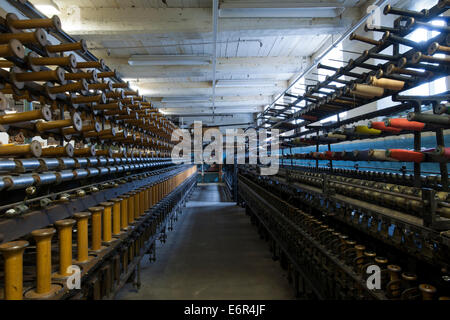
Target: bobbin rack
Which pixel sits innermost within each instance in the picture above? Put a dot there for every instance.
(88, 158)
(328, 224)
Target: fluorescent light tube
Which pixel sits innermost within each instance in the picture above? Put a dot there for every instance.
(244, 83)
(279, 13)
(185, 99)
(280, 9)
(167, 60)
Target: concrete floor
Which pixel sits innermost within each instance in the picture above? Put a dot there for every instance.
(213, 253)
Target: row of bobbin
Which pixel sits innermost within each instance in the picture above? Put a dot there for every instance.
(108, 221)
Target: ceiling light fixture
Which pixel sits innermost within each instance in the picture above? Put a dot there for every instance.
(167, 60)
(244, 83)
(186, 99)
(279, 9)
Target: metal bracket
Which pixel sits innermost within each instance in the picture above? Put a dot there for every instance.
(430, 217)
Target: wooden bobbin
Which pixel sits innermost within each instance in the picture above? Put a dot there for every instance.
(385, 83)
(394, 285)
(91, 75)
(146, 198)
(75, 122)
(131, 207)
(141, 199)
(44, 114)
(107, 222)
(91, 64)
(420, 57)
(85, 152)
(44, 286)
(14, 48)
(91, 126)
(160, 190)
(64, 228)
(367, 91)
(38, 37)
(435, 47)
(82, 219)
(34, 149)
(100, 98)
(127, 101)
(106, 86)
(13, 268)
(116, 211)
(354, 36)
(117, 94)
(64, 47)
(7, 64)
(77, 86)
(96, 229)
(64, 61)
(18, 76)
(15, 25)
(124, 212)
(131, 93)
(104, 153)
(66, 151)
(122, 85)
(109, 106)
(137, 208)
(428, 291)
(108, 74)
(392, 69)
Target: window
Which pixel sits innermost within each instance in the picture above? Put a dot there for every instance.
(299, 88)
(334, 58)
(436, 86)
(334, 118)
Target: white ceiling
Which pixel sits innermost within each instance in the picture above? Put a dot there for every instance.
(248, 48)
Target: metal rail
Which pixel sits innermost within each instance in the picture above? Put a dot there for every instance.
(13, 228)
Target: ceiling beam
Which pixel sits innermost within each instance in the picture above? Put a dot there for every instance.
(187, 23)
